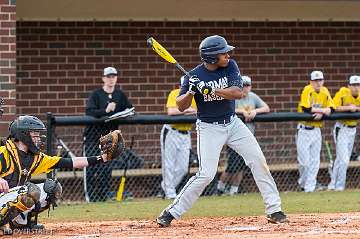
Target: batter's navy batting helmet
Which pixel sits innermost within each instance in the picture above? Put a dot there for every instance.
(211, 46)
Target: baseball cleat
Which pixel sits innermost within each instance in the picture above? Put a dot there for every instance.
(37, 227)
(277, 217)
(31, 226)
(165, 218)
(320, 187)
(219, 192)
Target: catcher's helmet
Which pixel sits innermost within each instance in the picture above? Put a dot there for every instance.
(20, 130)
(211, 46)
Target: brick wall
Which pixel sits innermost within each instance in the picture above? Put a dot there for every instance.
(7, 61)
(58, 63)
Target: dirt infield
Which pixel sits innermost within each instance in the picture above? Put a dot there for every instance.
(344, 225)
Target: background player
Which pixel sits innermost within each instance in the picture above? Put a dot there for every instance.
(215, 84)
(21, 200)
(347, 99)
(175, 141)
(249, 106)
(315, 99)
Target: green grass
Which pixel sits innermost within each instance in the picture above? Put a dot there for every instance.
(241, 205)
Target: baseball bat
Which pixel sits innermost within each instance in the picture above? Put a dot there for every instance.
(71, 154)
(120, 195)
(163, 53)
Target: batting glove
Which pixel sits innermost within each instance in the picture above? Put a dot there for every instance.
(193, 81)
(204, 88)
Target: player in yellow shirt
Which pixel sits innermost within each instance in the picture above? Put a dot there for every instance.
(347, 99)
(21, 158)
(175, 140)
(315, 99)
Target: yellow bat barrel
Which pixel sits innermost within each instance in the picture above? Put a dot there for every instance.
(160, 50)
(120, 192)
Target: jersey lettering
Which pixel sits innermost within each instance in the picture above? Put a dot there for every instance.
(221, 83)
(212, 97)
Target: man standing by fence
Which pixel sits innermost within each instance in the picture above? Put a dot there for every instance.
(347, 99)
(104, 101)
(315, 99)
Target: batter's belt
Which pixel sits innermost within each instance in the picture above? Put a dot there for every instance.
(224, 121)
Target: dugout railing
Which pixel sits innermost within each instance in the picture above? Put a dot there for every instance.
(275, 132)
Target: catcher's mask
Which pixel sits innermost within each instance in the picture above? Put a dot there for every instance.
(54, 190)
(29, 130)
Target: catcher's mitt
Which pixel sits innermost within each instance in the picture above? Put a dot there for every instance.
(112, 145)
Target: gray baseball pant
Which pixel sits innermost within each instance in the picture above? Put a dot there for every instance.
(210, 140)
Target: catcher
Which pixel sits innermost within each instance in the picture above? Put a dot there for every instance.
(20, 158)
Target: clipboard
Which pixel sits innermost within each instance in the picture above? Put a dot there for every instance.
(122, 114)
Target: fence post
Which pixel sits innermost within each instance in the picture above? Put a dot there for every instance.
(49, 135)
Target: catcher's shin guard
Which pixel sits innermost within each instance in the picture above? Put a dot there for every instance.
(53, 190)
(28, 196)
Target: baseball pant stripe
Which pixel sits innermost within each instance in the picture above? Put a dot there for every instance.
(192, 179)
(198, 146)
(209, 151)
(245, 144)
(177, 199)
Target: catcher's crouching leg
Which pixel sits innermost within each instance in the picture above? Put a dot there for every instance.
(28, 196)
(50, 193)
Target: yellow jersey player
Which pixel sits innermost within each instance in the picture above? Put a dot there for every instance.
(315, 99)
(20, 158)
(175, 141)
(347, 99)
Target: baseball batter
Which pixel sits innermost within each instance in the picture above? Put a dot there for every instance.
(315, 99)
(347, 99)
(215, 84)
(175, 141)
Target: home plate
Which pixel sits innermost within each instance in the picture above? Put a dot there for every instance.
(246, 228)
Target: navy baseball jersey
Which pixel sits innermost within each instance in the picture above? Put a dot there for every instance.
(213, 108)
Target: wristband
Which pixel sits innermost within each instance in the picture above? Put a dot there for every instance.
(93, 160)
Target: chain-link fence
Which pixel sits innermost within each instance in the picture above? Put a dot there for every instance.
(143, 161)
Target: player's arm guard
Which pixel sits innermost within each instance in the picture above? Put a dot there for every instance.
(112, 145)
